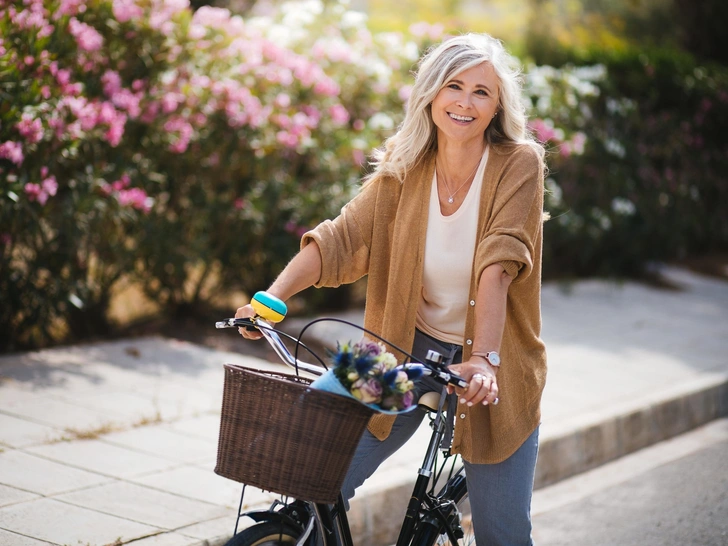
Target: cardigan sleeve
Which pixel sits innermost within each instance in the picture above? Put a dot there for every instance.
(345, 241)
(513, 227)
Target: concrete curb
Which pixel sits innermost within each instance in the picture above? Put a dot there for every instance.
(567, 453)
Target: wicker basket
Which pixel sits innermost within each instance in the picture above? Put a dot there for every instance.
(278, 434)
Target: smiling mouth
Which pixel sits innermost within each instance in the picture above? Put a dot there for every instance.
(460, 118)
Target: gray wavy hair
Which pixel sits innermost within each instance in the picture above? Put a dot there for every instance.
(417, 134)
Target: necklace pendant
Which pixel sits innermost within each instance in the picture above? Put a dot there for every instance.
(450, 200)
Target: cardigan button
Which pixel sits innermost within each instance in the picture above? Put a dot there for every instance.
(468, 342)
(462, 416)
(472, 303)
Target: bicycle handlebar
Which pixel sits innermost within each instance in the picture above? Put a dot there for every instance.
(272, 337)
(431, 366)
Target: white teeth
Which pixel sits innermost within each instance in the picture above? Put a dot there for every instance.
(461, 118)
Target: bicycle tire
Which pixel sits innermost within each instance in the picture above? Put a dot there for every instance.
(430, 532)
(266, 533)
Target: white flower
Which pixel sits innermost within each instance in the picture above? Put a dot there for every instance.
(619, 106)
(623, 206)
(555, 193)
(543, 104)
(388, 360)
(578, 140)
(381, 121)
(593, 73)
(302, 13)
(353, 19)
(615, 147)
(604, 221)
(411, 52)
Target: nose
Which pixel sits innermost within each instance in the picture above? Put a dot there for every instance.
(463, 100)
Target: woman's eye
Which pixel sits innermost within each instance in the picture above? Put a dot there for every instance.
(482, 92)
(454, 86)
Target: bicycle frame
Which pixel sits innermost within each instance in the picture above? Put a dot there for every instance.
(332, 521)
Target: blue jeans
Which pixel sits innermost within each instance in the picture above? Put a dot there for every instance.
(500, 494)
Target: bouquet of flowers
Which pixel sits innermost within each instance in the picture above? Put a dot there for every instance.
(367, 372)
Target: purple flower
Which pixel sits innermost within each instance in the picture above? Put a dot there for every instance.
(368, 391)
(407, 399)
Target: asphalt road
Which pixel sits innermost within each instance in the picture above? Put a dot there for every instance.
(672, 494)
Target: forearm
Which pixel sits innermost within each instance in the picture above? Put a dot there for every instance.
(490, 309)
(303, 271)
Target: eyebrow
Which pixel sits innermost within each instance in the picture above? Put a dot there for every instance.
(480, 85)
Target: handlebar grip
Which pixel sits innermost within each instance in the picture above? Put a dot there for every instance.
(269, 307)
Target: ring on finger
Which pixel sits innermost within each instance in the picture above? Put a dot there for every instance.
(477, 376)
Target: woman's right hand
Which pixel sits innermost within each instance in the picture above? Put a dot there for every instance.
(247, 311)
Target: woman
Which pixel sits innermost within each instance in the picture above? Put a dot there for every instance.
(448, 229)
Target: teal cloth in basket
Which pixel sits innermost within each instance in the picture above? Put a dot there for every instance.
(330, 383)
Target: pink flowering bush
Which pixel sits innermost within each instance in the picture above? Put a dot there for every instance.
(186, 150)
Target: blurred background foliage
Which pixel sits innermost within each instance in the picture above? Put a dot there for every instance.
(161, 162)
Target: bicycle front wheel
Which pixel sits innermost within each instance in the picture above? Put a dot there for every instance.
(267, 533)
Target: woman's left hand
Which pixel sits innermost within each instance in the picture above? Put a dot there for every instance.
(482, 383)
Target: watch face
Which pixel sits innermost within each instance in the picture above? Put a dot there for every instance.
(494, 358)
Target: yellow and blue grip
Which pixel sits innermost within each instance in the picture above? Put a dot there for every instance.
(269, 307)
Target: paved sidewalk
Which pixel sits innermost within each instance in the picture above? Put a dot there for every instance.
(115, 442)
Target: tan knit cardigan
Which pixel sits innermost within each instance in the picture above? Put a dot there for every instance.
(381, 232)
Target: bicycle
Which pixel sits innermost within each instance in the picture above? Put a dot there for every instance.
(431, 517)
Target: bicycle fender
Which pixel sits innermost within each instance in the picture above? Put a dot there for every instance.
(267, 515)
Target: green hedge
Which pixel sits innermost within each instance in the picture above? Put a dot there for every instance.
(651, 183)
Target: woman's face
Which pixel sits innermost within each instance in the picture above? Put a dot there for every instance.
(464, 107)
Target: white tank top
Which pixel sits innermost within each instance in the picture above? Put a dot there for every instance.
(449, 253)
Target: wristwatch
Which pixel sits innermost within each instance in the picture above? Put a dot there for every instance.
(491, 357)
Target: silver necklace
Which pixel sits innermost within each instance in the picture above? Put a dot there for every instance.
(451, 199)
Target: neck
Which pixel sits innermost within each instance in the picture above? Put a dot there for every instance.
(457, 162)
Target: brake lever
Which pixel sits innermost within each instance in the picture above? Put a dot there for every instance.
(247, 323)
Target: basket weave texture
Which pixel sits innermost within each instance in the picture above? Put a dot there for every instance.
(279, 435)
